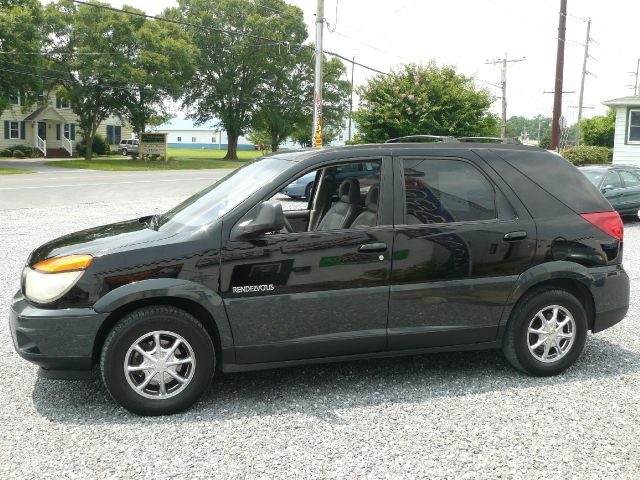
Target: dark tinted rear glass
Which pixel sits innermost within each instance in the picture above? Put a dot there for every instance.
(559, 178)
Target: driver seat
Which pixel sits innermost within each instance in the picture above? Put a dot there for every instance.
(346, 209)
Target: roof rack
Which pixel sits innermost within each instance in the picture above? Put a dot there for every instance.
(414, 138)
(509, 141)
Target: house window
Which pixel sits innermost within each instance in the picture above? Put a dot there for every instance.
(14, 130)
(67, 131)
(634, 126)
(63, 103)
(179, 139)
(15, 98)
(114, 134)
(193, 139)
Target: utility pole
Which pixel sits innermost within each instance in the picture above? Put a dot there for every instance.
(353, 64)
(316, 138)
(557, 97)
(503, 85)
(636, 86)
(584, 74)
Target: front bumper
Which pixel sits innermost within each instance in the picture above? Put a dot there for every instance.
(610, 289)
(59, 341)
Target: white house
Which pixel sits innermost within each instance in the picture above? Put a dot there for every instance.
(182, 133)
(626, 146)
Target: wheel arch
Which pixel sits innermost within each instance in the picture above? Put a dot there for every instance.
(568, 276)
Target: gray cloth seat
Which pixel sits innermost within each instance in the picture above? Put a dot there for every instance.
(346, 209)
(369, 218)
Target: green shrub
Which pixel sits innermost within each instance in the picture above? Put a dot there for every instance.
(587, 155)
(100, 146)
(18, 154)
(6, 153)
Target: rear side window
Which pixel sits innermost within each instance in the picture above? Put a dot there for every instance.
(557, 177)
(443, 191)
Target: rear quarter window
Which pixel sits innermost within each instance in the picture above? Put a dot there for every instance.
(557, 177)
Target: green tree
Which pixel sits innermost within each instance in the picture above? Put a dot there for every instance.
(517, 126)
(20, 32)
(294, 118)
(599, 131)
(87, 80)
(159, 61)
(425, 99)
(233, 72)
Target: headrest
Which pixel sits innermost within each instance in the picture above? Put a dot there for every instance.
(371, 201)
(349, 191)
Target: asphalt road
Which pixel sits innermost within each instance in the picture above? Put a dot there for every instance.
(452, 415)
(58, 186)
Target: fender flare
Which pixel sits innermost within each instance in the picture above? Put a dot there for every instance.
(171, 288)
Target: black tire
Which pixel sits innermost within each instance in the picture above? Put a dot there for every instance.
(124, 152)
(307, 190)
(144, 321)
(516, 341)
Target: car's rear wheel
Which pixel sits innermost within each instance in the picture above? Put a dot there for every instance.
(546, 333)
(124, 152)
(157, 360)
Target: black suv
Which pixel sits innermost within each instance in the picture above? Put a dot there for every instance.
(442, 246)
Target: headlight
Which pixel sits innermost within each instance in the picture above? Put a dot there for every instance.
(48, 281)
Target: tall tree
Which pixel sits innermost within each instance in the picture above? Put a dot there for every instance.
(425, 99)
(294, 117)
(76, 32)
(160, 59)
(234, 70)
(20, 34)
(599, 131)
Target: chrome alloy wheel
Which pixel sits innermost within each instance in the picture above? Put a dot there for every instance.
(551, 333)
(159, 364)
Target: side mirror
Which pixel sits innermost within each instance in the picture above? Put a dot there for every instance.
(266, 217)
(606, 188)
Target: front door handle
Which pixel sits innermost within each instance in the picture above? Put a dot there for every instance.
(513, 236)
(373, 247)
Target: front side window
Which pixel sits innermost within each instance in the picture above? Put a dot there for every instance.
(611, 181)
(634, 126)
(630, 179)
(14, 130)
(444, 191)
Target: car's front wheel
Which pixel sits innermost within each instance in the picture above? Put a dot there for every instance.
(157, 360)
(124, 152)
(546, 333)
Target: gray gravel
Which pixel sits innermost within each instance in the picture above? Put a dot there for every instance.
(458, 415)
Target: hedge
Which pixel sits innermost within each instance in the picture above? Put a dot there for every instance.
(588, 155)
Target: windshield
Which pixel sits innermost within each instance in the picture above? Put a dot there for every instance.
(214, 201)
(594, 176)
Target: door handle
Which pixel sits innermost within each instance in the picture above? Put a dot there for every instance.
(513, 236)
(373, 247)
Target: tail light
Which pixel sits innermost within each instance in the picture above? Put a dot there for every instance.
(609, 222)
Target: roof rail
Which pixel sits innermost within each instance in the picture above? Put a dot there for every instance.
(417, 138)
(509, 141)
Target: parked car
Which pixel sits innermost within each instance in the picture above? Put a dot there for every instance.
(620, 185)
(130, 146)
(456, 246)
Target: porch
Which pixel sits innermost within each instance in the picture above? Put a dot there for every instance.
(50, 132)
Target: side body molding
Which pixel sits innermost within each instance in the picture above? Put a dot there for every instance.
(172, 288)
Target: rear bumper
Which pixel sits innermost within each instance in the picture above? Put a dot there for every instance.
(610, 290)
(59, 341)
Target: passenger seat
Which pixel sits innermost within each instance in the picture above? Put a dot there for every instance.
(369, 218)
(346, 209)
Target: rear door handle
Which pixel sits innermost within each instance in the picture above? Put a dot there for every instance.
(513, 236)
(373, 247)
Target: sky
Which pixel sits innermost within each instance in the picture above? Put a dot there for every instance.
(467, 33)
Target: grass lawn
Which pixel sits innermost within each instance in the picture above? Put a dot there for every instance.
(129, 165)
(200, 154)
(13, 171)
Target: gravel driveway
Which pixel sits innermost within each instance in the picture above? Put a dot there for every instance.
(459, 415)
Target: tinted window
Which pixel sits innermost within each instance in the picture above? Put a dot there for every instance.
(440, 191)
(630, 179)
(557, 177)
(612, 180)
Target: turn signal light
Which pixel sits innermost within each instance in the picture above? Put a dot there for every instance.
(609, 222)
(69, 263)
